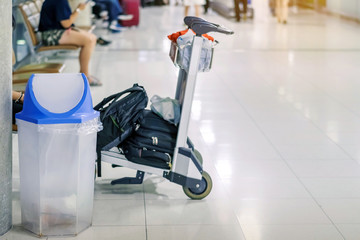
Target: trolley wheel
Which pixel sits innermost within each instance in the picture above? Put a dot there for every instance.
(198, 156)
(202, 190)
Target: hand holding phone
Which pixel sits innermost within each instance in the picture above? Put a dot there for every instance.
(81, 6)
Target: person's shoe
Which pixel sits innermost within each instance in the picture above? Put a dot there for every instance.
(102, 42)
(118, 25)
(114, 31)
(115, 28)
(104, 15)
(94, 82)
(126, 17)
(105, 24)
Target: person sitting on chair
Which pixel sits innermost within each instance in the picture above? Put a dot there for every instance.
(56, 22)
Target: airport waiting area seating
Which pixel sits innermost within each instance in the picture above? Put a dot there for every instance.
(22, 74)
(30, 11)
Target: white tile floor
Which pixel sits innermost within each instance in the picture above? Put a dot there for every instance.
(277, 121)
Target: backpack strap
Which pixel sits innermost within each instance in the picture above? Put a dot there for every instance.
(113, 98)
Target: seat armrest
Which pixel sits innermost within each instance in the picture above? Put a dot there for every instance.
(57, 47)
(41, 68)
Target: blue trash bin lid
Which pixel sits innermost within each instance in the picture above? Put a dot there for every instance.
(57, 98)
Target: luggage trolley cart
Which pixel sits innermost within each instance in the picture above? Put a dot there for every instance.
(186, 168)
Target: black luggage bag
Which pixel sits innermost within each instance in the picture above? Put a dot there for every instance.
(153, 143)
(119, 114)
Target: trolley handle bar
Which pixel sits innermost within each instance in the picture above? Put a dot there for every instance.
(201, 26)
(190, 19)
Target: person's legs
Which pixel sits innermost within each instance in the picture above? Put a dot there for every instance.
(114, 10)
(86, 41)
(117, 6)
(285, 8)
(206, 6)
(237, 10)
(197, 10)
(278, 11)
(186, 10)
(244, 2)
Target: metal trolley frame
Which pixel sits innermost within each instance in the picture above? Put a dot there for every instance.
(186, 168)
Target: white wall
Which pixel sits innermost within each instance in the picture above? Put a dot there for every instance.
(349, 8)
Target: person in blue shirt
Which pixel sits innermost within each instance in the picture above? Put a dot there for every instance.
(56, 26)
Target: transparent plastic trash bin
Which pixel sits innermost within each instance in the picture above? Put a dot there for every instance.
(57, 151)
